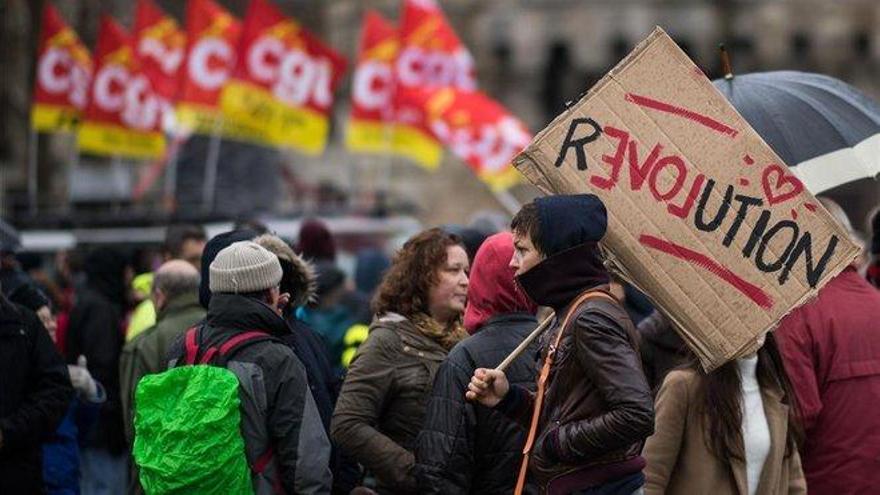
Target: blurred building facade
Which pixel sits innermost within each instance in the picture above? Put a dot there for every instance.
(532, 55)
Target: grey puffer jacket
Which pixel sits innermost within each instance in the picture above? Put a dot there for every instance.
(383, 401)
(279, 420)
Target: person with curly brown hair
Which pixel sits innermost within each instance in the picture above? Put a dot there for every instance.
(418, 307)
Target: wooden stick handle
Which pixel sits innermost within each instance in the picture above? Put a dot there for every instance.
(525, 343)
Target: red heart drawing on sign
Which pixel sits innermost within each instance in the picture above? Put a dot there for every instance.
(778, 192)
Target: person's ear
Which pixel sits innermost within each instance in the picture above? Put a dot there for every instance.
(159, 299)
(283, 300)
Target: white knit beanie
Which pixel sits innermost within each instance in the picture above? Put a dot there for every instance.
(243, 267)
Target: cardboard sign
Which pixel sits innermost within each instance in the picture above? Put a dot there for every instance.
(703, 216)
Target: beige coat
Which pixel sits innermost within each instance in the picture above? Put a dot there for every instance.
(679, 461)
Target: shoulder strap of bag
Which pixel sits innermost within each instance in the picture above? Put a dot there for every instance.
(542, 384)
(219, 354)
(191, 345)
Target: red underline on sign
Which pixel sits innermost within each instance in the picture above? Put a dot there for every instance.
(699, 118)
(751, 291)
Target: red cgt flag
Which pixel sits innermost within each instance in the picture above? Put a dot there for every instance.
(431, 57)
(159, 49)
(476, 128)
(62, 80)
(431, 54)
(372, 126)
(122, 116)
(281, 92)
(212, 36)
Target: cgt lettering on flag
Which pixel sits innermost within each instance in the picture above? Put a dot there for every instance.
(123, 115)
(212, 36)
(281, 91)
(63, 71)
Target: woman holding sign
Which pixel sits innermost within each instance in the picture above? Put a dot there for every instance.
(731, 431)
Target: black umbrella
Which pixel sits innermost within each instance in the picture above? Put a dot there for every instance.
(824, 129)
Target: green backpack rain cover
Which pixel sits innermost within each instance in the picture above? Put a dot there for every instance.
(187, 437)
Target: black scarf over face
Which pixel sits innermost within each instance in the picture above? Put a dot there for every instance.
(559, 279)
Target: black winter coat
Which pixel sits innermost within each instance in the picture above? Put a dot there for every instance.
(468, 448)
(95, 331)
(35, 392)
(325, 385)
(661, 349)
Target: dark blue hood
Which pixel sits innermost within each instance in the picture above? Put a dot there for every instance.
(570, 220)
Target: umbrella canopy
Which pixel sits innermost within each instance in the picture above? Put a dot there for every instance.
(824, 129)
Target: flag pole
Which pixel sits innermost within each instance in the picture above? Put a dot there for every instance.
(72, 166)
(386, 165)
(389, 122)
(118, 172)
(171, 174)
(507, 200)
(525, 343)
(210, 180)
(32, 171)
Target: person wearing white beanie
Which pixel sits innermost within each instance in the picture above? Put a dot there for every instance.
(280, 421)
(248, 268)
(244, 267)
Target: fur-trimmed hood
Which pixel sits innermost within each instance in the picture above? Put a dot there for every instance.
(299, 275)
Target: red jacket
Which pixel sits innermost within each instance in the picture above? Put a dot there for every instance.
(831, 348)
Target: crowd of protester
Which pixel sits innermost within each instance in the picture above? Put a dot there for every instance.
(383, 379)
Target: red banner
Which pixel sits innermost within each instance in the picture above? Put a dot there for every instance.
(476, 128)
(431, 55)
(281, 92)
(159, 48)
(122, 116)
(212, 36)
(371, 125)
(62, 79)
(373, 84)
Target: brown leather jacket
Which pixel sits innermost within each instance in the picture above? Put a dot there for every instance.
(598, 408)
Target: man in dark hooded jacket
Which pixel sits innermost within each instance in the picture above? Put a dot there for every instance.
(285, 444)
(95, 331)
(465, 447)
(597, 408)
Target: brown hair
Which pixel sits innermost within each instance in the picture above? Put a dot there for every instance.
(528, 223)
(404, 288)
(721, 407)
